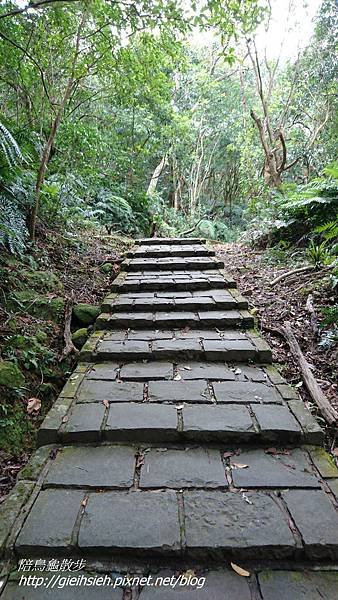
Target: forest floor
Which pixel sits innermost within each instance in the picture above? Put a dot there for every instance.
(33, 293)
(254, 270)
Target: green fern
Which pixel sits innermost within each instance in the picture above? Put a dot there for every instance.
(13, 230)
(9, 147)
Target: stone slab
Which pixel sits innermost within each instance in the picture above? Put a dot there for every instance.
(313, 433)
(178, 391)
(50, 523)
(217, 422)
(227, 522)
(210, 371)
(142, 371)
(246, 392)
(298, 585)
(134, 522)
(324, 462)
(275, 420)
(113, 391)
(84, 423)
(105, 371)
(261, 470)
(144, 422)
(317, 520)
(131, 349)
(92, 467)
(236, 350)
(189, 467)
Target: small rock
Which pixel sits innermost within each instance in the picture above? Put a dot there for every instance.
(106, 268)
(79, 337)
(86, 313)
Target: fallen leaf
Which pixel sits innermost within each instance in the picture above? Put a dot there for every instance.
(33, 405)
(239, 466)
(64, 419)
(140, 461)
(105, 403)
(276, 451)
(189, 573)
(227, 454)
(240, 571)
(178, 377)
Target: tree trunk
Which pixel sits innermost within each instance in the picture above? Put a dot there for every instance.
(155, 177)
(53, 131)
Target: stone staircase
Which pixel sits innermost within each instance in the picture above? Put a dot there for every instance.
(177, 447)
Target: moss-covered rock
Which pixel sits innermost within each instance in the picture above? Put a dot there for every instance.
(10, 375)
(106, 268)
(80, 337)
(86, 313)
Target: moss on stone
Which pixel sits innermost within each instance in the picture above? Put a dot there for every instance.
(79, 337)
(86, 313)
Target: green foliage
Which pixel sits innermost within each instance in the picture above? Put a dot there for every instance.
(9, 149)
(318, 254)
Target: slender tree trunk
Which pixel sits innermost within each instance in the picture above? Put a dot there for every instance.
(155, 177)
(53, 131)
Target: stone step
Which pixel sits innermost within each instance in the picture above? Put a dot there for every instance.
(172, 281)
(164, 402)
(201, 504)
(180, 582)
(180, 318)
(187, 344)
(211, 299)
(170, 241)
(165, 250)
(194, 263)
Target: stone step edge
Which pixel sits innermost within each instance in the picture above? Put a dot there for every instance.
(174, 263)
(120, 284)
(262, 352)
(111, 321)
(236, 301)
(157, 240)
(179, 251)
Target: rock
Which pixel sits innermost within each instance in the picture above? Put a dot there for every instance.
(86, 313)
(79, 337)
(106, 268)
(10, 375)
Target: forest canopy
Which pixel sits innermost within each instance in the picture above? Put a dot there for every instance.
(112, 116)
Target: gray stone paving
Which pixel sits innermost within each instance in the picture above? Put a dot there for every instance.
(176, 439)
